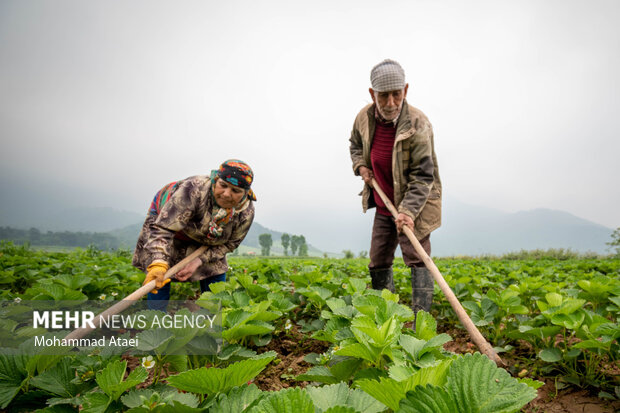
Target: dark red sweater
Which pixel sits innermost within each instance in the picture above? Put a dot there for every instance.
(381, 161)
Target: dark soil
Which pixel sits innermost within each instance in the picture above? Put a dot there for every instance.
(549, 400)
(291, 347)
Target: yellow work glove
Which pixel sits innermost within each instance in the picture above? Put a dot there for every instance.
(156, 271)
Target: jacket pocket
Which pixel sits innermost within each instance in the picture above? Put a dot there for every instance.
(430, 217)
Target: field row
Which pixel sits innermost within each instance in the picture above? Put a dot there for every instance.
(550, 318)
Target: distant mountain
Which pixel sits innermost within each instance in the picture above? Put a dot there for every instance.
(128, 236)
(471, 230)
(466, 229)
(73, 219)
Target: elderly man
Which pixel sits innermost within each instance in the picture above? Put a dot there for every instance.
(392, 142)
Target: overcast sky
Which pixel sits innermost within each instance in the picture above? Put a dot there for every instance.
(122, 97)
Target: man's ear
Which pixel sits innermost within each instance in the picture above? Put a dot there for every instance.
(372, 94)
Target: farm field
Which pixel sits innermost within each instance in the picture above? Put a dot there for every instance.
(308, 335)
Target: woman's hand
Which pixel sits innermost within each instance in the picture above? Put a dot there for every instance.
(189, 269)
(156, 271)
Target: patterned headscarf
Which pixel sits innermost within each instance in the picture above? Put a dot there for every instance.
(236, 173)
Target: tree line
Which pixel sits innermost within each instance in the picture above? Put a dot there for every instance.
(34, 236)
(297, 243)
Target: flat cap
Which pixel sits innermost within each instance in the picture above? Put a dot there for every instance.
(387, 75)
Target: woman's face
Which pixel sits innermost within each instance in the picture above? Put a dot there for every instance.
(227, 195)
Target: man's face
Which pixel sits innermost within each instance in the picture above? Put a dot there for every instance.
(227, 195)
(389, 103)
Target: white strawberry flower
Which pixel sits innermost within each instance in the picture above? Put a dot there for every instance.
(288, 325)
(102, 297)
(148, 362)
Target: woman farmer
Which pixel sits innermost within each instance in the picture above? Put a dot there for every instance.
(216, 211)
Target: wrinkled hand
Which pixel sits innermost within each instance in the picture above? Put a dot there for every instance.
(402, 220)
(156, 271)
(189, 269)
(366, 175)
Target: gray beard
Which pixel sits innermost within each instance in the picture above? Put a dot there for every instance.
(400, 108)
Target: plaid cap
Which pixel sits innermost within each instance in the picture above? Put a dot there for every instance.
(386, 76)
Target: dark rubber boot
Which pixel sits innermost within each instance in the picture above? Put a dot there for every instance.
(422, 295)
(382, 278)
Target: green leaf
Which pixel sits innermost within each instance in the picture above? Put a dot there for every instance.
(591, 344)
(178, 363)
(218, 287)
(518, 309)
(285, 401)
(428, 399)
(335, 303)
(389, 296)
(357, 284)
(156, 339)
(12, 373)
(411, 345)
(163, 396)
(110, 379)
(387, 391)
(215, 380)
(96, 403)
(534, 384)
(138, 397)
(550, 355)
(321, 374)
(554, 299)
(250, 328)
(237, 400)
(380, 336)
(57, 380)
(435, 375)
(340, 395)
(571, 321)
(343, 370)
(436, 342)
(342, 409)
(570, 305)
(72, 282)
(476, 384)
(359, 350)
(425, 326)
(401, 372)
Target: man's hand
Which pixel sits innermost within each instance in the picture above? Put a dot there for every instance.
(366, 175)
(156, 271)
(403, 219)
(189, 269)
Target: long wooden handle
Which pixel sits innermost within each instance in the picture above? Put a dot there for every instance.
(133, 297)
(473, 331)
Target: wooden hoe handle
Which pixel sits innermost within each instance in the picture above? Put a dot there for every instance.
(476, 337)
(133, 297)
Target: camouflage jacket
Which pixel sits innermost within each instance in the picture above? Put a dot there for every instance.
(182, 226)
(417, 187)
